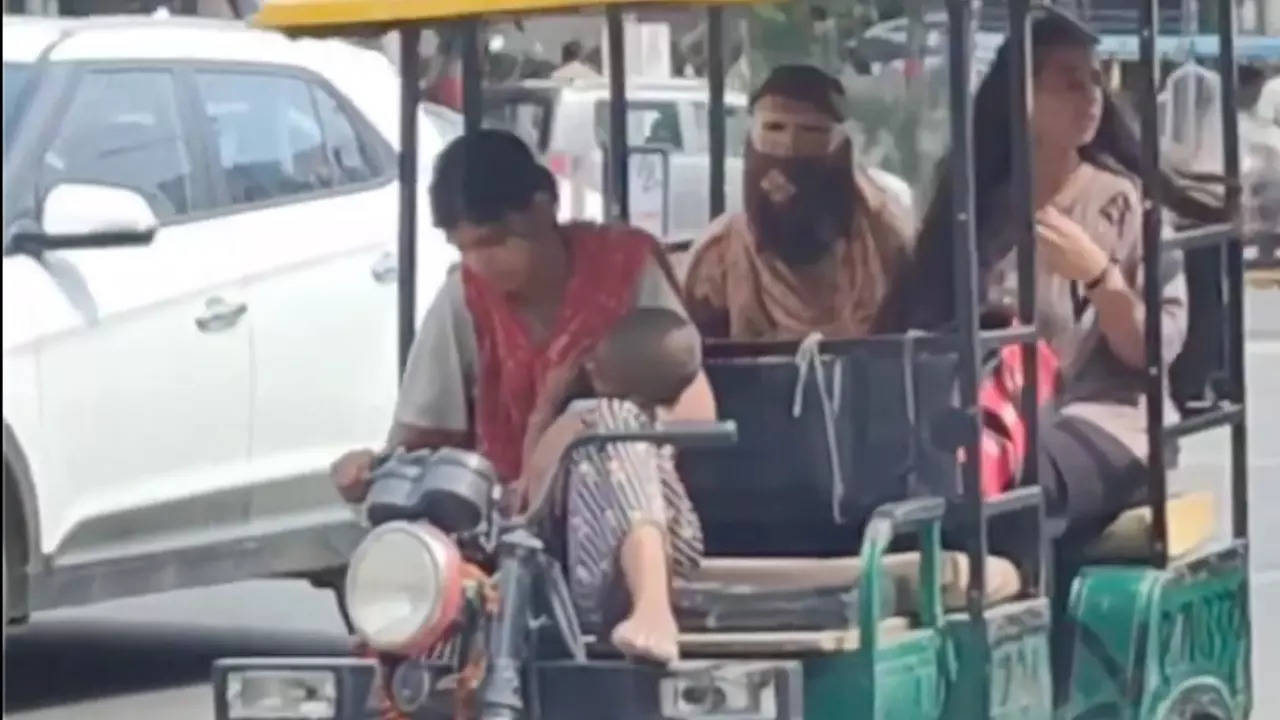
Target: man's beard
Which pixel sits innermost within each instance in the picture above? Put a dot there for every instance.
(801, 229)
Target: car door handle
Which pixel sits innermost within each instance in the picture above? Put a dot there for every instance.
(220, 315)
(385, 269)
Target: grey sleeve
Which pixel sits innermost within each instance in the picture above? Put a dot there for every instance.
(1173, 291)
(438, 380)
(1173, 303)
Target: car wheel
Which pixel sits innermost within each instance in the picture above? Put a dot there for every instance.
(11, 582)
(5, 559)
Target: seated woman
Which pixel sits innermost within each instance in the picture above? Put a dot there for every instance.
(1088, 228)
(501, 347)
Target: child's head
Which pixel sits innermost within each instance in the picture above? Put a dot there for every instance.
(650, 356)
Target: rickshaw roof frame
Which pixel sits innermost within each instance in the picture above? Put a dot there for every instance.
(341, 16)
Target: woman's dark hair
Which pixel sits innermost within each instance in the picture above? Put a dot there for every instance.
(1115, 145)
(482, 176)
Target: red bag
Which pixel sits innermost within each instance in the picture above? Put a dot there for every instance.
(1004, 430)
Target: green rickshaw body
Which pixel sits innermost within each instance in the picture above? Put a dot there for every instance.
(1151, 644)
(907, 678)
(1019, 685)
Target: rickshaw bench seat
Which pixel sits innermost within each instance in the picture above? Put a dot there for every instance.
(794, 594)
(1191, 519)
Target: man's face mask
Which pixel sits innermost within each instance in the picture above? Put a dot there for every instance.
(799, 180)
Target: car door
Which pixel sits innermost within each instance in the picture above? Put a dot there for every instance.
(143, 352)
(303, 173)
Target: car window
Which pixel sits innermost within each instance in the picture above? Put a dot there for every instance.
(736, 126)
(347, 153)
(648, 123)
(526, 116)
(122, 128)
(267, 136)
(17, 76)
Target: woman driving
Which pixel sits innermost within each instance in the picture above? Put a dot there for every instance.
(501, 352)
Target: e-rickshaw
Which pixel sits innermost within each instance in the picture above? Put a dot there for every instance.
(827, 592)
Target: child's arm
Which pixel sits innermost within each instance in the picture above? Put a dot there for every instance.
(542, 455)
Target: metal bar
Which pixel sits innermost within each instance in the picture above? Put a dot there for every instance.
(1234, 268)
(960, 29)
(618, 192)
(472, 77)
(715, 106)
(1022, 201)
(1149, 69)
(1229, 414)
(407, 249)
(1021, 198)
(995, 339)
(1208, 236)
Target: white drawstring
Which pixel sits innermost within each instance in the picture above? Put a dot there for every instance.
(909, 383)
(809, 355)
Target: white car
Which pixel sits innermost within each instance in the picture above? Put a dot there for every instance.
(566, 123)
(200, 226)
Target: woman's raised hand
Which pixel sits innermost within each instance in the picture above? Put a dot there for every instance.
(1069, 251)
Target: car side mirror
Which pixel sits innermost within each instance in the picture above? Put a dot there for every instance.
(85, 216)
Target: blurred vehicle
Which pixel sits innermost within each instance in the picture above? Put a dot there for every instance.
(200, 267)
(567, 123)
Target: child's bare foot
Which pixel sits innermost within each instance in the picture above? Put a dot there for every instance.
(650, 634)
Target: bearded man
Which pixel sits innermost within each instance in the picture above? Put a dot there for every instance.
(819, 242)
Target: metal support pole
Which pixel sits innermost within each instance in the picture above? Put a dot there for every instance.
(715, 107)
(1149, 83)
(618, 192)
(960, 13)
(1234, 264)
(407, 250)
(472, 77)
(1021, 200)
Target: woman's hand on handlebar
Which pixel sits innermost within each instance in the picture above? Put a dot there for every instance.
(350, 474)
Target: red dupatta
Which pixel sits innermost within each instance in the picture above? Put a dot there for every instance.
(607, 262)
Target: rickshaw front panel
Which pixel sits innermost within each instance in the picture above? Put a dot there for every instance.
(1151, 644)
(1019, 685)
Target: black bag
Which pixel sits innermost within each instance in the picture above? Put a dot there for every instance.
(804, 483)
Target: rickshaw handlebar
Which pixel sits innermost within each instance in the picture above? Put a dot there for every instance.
(682, 434)
(908, 515)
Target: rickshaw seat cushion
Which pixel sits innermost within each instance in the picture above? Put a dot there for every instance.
(773, 643)
(1191, 518)
(769, 643)
(839, 575)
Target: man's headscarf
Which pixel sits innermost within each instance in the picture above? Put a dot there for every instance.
(801, 228)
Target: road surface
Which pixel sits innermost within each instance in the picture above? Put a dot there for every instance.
(148, 658)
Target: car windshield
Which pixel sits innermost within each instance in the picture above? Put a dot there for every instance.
(16, 78)
(527, 115)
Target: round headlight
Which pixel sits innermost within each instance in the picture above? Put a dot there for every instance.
(404, 587)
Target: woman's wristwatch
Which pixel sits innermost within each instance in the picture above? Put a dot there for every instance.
(1101, 277)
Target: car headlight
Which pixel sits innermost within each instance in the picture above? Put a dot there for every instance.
(404, 586)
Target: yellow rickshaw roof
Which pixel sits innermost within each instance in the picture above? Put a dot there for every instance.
(316, 15)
